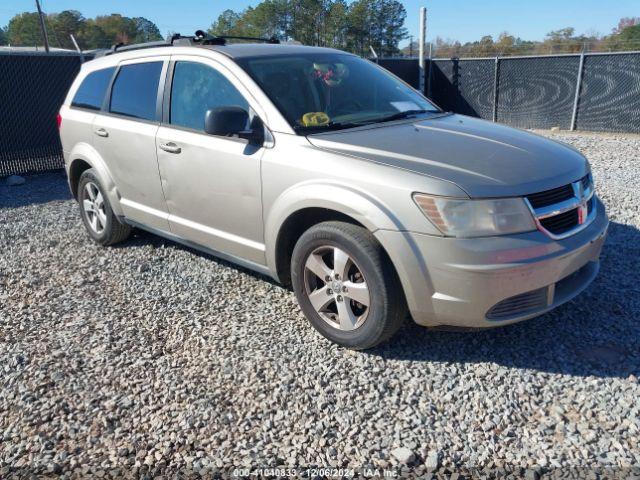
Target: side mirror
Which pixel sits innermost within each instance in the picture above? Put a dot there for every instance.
(232, 121)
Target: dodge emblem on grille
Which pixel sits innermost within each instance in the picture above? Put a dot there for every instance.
(583, 211)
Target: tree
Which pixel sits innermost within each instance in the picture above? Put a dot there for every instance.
(146, 30)
(24, 29)
(117, 29)
(332, 23)
(3, 37)
(336, 26)
(626, 22)
(506, 44)
(627, 39)
(226, 23)
(64, 24)
(389, 17)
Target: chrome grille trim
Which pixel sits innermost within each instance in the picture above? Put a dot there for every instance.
(583, 192)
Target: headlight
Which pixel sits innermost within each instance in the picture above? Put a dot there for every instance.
(476, 218)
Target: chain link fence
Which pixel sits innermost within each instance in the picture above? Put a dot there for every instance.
(592, 92)
(525, 92)
(33, 87)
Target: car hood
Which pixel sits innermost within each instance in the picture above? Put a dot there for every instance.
(483, 158)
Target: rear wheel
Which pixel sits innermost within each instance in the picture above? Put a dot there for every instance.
(346, 286)
(103, 225)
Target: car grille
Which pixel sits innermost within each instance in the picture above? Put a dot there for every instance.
(561, 223)
(565, 210)
(520, 304)
(550, 197)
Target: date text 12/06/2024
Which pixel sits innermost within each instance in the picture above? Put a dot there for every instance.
(315, 472)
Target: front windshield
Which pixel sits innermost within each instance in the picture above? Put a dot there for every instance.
(327, 91)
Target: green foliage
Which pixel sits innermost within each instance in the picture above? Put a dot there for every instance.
(146, 30)
(61, 25)
(627, 38)
(624, 38)
(24, 29)
(331, 23)
(3, 37)
(100, 32)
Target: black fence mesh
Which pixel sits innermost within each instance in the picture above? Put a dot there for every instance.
(533, 92)
(463, 86)
(406, 69)
(33, 87)
(537, 92)
(610, 94)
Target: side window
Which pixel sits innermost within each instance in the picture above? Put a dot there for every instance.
(135, 90)
(197, 88)
(91, 92)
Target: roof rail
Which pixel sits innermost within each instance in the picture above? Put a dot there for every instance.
(273, 40)
(200, 38)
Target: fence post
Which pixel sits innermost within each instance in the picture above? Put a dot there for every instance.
(422, 33)
(429, 70)
(576, 99)
(495, 89)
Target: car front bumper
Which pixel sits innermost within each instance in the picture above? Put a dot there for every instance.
(492, 281)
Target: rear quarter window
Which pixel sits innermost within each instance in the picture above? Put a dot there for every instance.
(91, 92)
(135, 90)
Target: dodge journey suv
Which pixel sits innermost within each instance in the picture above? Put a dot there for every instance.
(331, 175)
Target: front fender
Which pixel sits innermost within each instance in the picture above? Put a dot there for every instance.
(346, 199)
(85, 152)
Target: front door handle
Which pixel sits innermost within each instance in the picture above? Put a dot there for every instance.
(170, 147)
(101, 132)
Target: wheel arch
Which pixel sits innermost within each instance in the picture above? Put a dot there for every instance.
(83, 157)
(300, 208)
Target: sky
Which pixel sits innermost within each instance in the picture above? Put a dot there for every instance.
(464, 20)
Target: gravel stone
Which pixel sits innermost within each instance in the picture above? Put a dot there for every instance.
(403, 455)
(433, 461)
(152, 360)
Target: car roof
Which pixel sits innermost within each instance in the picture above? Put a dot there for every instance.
(244, 50)
(234, 51)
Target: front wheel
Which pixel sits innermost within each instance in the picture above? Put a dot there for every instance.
(346, 285)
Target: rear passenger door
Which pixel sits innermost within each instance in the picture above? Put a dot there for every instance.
(124, 134)
(211, 183)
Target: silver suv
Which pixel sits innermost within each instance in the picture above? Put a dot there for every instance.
(331, 175)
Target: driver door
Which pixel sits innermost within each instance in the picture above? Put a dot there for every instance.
(211, 184)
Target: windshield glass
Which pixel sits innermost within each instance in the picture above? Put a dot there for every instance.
(326, 91)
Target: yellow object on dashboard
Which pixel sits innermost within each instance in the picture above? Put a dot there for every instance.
(315, 119)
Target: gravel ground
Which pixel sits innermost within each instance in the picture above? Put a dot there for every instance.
(148, 358)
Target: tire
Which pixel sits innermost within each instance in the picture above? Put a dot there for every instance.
(345, 318)
(104, 228)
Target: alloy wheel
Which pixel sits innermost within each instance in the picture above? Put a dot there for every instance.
(336, 288)
(93, 205)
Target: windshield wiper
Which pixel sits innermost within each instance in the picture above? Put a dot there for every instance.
(326, 127)
(401, 115)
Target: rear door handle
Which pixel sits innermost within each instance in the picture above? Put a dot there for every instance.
(170, 147)
(101, 132)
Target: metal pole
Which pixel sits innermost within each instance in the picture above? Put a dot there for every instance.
(495, 89)
(73, 39)
(576, 99)
(375, 55)
(430, 69)
(43, 27)
(423, 30)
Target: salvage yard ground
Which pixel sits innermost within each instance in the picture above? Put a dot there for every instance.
(151, 357)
